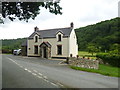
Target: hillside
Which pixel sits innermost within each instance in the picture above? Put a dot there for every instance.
(9, 44)
(103, 34)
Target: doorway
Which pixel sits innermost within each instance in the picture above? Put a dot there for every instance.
(44, 52)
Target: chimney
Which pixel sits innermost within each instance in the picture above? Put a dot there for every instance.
(71, 25)
(36, 29)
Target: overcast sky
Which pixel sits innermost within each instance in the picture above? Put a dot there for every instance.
(80, 12)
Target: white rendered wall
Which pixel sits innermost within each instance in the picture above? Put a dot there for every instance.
(31, 44)
(54, 42)
(73, 44)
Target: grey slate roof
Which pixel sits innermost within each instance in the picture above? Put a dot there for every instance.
(51, 33)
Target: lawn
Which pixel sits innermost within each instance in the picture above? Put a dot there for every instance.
(103, 69)
(86, 54)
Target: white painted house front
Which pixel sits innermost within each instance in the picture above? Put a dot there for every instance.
(55, 43)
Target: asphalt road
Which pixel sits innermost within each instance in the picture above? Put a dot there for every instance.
(17, 76)
(33, 72)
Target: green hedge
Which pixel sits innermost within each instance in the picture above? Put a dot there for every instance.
(111, 59)
(6, 51)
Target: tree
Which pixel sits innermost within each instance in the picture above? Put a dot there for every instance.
(115, 48)
(26, 10)
(92, 48)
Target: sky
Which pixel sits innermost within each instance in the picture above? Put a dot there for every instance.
(80, 12)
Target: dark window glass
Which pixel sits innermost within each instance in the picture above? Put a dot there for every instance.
(59, 37)
(36, 50)
(36, 39)
(59, 49)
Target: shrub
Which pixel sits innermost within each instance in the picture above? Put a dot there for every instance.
(6, 51)
(111, 59)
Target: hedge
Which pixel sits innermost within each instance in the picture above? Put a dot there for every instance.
(111, 59)
(6, 51)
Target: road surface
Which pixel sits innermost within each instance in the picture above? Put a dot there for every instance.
(35, 72)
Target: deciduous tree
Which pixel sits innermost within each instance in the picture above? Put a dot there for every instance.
(92, 48)
(26, 10)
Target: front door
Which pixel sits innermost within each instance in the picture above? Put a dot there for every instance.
(44, 54)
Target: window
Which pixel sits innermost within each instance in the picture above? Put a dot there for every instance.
(36, 49)
(36, 39)
(59, 37)
(59, 49)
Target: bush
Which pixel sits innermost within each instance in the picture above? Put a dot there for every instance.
(6, 51)
(111, 59)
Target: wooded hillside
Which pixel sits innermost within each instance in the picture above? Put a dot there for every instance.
(10, 44)
(103, 35)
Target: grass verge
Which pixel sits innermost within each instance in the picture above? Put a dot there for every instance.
(103, 69)
(86, 54)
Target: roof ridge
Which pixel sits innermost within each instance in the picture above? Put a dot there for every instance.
(53, 29)
(52, 32)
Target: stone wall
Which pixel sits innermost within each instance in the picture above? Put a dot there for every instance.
(84, 63)
(24, 51)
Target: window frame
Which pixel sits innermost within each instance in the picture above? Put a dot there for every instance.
(59, 37)
(36, 39)
(59, 52)
(36, 50)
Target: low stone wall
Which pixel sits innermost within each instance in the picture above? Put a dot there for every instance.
(84, 63)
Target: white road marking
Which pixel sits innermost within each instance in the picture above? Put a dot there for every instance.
(11, 59)
(46, 80)
(40, 74)
(60, 84)
(60, 63)
(45, 77)
(25, 69)
(53, 84)
(29, 71)
(34, 74)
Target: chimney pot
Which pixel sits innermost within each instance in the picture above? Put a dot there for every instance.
(36, 29)
(71, 24)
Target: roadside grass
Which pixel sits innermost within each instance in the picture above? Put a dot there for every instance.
(103, 69)
(86, 54)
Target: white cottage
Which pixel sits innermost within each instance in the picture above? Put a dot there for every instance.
(53, 43)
